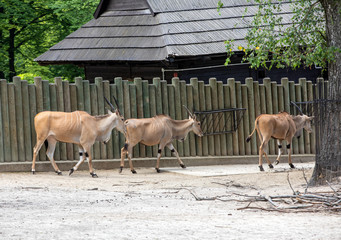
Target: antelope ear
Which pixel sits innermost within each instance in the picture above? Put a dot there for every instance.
(311, 118)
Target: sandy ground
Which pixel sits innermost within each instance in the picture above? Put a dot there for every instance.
(149, 205)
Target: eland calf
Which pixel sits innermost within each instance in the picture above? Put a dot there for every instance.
(75, 127)
(281, 126)
(160, 130)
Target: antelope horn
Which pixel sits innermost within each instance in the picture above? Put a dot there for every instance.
(112, 107)
(189, 112)
(299, 109)
(116, 102)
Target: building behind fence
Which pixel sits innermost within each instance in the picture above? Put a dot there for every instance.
(21, 101)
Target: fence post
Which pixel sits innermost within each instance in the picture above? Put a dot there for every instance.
(33, 112)
(298, 92)
(246, 119)
(152, 105)
(183, 98)
(240, 130)
(133, 112)
(19, 118)
(196, 107)
(286, 94)
(80, 93)
(294, 146)
(313, 134)
(157, 84)
(258, 111)
(12, 119)
(178, 111)
(232, 86)
(165, 107)
(115, 145)
(192, 143)
(100, 99)
(146, 111)
(40, 108)
(222, 137)
(269, 109)
(27, 121)
(139, 105)
(2, 154)
(106, 93)
(94, 111)
(53, 107)
(6, 122)
(60, 107)
(251, 109)
(120, 97)
(74, 106)
(215, 106)
(67, 108)
(227, 104)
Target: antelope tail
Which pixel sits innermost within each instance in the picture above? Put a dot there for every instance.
(249, 137)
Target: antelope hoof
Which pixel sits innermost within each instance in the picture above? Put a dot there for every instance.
(270, 166)
(158, 170)
(33, 172)
(71, 171)
(59, 173)
(261, 168)
(94, 175)
(183, 165)
(120, 171)
(133, 171)
(291, 165)
(276, 162)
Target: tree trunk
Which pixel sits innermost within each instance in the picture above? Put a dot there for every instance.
(328, 157)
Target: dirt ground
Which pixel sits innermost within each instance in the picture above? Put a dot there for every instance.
(148, 205)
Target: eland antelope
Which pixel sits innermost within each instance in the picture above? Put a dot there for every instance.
(160, 130)
(74, 127)
(281, 126)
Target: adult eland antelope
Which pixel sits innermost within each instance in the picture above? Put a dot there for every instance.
(160, 130)
(281, 126)
(75, 127)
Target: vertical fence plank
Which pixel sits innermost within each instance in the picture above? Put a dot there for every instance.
(304, 91)
(233, 101)
(94, 111)
(191, 137)
(209, 119)
(67, 108)
(146, 111)
(183, 98)
(269, 109)
(133, 114)
(54, 107)
(100, 101)
(215, 106)
(246, 119)
(312, 135)
(60, 106)
(152, 105)
(298, 92)
(139, 104)
(33, 112)
(74, 106)
(2, 154)
(202, 104)
(27, 121)
(19, 118)
(116, 145)
(165, 108)
(294, 146)
(6, 121)
(286, 94)
(171, 106)
(280, 98)
(120, 98)
(106, 93)
(196, 107)
(178, 112)
(227, 104)
(274, 94)
(80, 93)
(258, 111)
(240, 131)
(12, 119)
(158, 98)
(251, 110)
(40, 108)
(222, 120)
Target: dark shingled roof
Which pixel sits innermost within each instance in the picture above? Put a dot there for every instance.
(152, 30)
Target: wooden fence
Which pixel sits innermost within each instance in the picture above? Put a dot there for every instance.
(20, 102)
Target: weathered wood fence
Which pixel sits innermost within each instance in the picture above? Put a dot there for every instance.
(20, 102)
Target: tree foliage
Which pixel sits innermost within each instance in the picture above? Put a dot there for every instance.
(29, 28)
(286, 40)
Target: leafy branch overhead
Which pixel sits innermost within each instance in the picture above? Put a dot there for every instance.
(294, 39)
